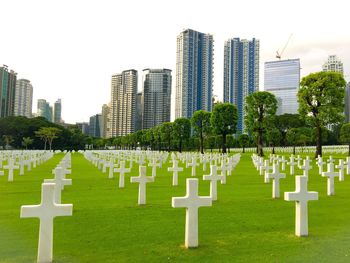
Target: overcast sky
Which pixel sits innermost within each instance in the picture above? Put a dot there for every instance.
(69, 49)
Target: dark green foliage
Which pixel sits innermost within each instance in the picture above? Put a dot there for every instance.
(224, 121)
(260, 110)
(321, 101)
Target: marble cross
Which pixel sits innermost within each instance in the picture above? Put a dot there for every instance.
(291, 164)
(154, 166)
(306, 167)
(267, 170)
(276, 176)
(60, 181)
(330, 160)
(330, 174)
(299, 159)
(341, 166)
(10, 167)
(142, 179)
(347, 163)
(46, 211)
(223, 169)
(175, 169)
(283, 161)
(121, 170)
(320, 164)
(213, 177)
(301, 196)
(193, 164)
(191, 201)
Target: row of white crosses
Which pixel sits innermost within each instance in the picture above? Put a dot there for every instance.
(22, 156)
(49, 208)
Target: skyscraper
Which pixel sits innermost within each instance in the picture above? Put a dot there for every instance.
(44, 109)
(347, 103)
(123, 103)
(139, 107)
(282, 78)
(7, 91)
(156, 97)
(57, 109)
(95, 125)
(194, 73)
(333, 64)
(241, 73)
(104, 120)
(23, 98)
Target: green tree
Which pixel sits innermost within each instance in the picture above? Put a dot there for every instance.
(27, 141)
(182, 131)
(201, 124)
(8, 139)
(291, 137)
(260, 110)
(285, 122)
(321, 101)
(243, 140)
(274, 138)
(224, 121)
(166, 130)
(345, 134)
(211, 140)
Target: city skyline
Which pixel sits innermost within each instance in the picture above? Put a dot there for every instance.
(83, 48)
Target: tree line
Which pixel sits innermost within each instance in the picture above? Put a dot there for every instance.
(320, 121)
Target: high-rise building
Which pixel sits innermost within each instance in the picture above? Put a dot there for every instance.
(23, 98)
(57, 109)
(333, 64)
(139, 107)
(241, 73)
(156, 97)
(194, 73)
(104, 120)
(44, 109)
(7, 91)
(347, 103)
(123, 103)
(282, 78)
(95, 125)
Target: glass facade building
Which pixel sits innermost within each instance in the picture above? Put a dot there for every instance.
(282, 78)
(44, 109)
(7, 91)
(241, 73)
(156, 97)
(194, 73)
(347, 103)
(57, 111)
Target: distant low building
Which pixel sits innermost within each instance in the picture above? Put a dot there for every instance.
(95, 125)
(84, 127)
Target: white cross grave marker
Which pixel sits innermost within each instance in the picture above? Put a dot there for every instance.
(347, 163)
(193, 164)
(306, 167)
(121, 170)
(276, 176)
(301, 196)
(46, 211)
(142, 179)
(154, 166)
(330, 174)
(192, 201)
(213, 177)
(60, 181)
(320, 164)
(341, 166)
(292, 163)
(175, 169)
(11, 166)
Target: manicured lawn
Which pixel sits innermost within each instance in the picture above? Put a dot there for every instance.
(244, 225)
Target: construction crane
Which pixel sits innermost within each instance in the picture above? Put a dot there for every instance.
(279, 54)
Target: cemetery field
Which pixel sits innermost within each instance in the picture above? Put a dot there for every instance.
(244, 225)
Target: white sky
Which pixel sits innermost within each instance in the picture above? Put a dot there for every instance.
(69, 49)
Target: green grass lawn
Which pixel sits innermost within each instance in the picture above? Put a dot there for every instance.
(244, 225)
